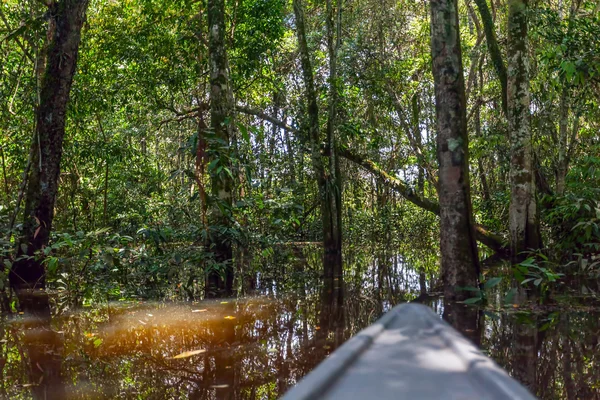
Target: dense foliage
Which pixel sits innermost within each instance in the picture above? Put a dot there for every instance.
(131, 216)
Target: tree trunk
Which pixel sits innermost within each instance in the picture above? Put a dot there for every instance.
(493, 48)
(523, 221)
(333, 191)
(485, 189)
(68, 17)
(459, 258)
(563, 123)
(325, 173)
(221, 114)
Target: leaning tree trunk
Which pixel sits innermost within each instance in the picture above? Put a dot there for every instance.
(459, 258)
(28, 271)
(221, 114)
(523, 221)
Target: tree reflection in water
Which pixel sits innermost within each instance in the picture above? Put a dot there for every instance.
(43, 347)
(256, 347)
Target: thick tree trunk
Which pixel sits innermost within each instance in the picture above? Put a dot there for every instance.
(459, 258)
(221, 108)
(68, 17)
(523, 221)
(326, 173)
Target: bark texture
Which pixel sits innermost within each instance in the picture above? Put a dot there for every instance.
(333, 190)
(523, 220)
(67, 18)
(221, 121)
(327, 172)
(459, 258)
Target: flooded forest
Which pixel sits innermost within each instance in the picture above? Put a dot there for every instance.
(203, 199)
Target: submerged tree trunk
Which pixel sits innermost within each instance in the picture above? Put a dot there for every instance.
(221, 114)
(68, 17)
(326, 173)
(523, 221)
(459, 258)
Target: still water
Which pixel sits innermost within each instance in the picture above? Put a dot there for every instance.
(257, 346)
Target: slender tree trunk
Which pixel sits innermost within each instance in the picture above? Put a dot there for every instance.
(493, 48)
(222, 127)
(325, 173)
(68, 16)
(485, 189)
(106, 170)
(333, 191)
(523, 220)
(563, 127)
(563, 131)
(6, 190)
(200, 169)
(459, 258)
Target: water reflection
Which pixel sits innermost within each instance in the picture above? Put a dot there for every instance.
(42, 348)
(467, 320)
(258, 346)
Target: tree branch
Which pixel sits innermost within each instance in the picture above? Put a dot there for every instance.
(492, 240)
(266, 117)
(482, 234)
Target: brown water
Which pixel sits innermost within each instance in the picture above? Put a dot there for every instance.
(257, 347)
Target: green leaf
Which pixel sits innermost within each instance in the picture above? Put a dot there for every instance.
(213, 164)
(490, 283)
(244, 132)
(472, 300)
(510, 295)
(530, 262)
(470, 288)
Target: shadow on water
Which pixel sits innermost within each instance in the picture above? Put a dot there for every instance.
(258, 346)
